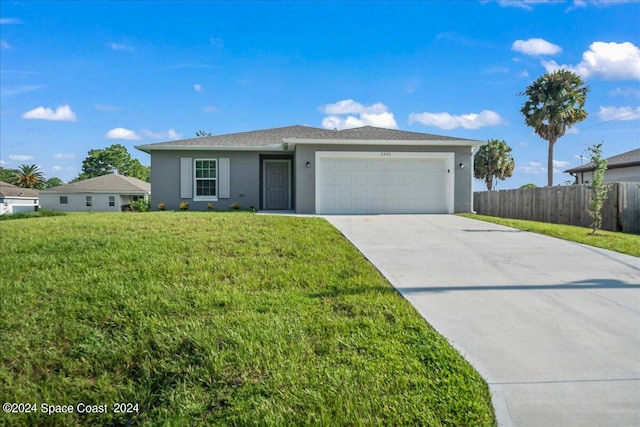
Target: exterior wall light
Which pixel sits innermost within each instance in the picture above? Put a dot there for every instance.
(308, 164)
(461, 165)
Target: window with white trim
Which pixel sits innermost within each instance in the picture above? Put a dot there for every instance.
(89, 200)
(206, 179)
(112, 201)
(64, 200)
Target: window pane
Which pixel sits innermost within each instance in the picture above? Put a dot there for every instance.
(205, 188)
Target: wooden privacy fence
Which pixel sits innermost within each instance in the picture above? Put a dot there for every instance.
(564, 205)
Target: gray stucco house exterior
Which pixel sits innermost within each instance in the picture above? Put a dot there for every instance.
(103, 193)
(316, 171)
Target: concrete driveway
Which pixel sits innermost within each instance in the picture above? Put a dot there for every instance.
(553, 326)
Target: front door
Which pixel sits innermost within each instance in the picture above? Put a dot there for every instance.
(277, 184)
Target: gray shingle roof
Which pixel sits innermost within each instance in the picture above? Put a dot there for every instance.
(113, 183)
(375, 133)
(630, 158)
(274, 137)
(10, 190)
(256, 138)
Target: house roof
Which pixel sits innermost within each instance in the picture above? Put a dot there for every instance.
(624, 160)
(274, 138)
(9, 190)
(252, 139)
(105, 184)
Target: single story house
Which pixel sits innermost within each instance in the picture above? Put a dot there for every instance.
(624, 167)
(14, 199)
(310, 170)
(103, 193)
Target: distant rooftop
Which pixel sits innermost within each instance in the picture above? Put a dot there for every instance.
(630, 158)
(112, 183)
(10, 190)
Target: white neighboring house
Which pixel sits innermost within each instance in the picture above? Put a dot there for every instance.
(624, 167)
(104, 193)
(14, 199)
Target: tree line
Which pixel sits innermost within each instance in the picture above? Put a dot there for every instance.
(102, 161)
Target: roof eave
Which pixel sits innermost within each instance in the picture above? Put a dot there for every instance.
(149, 148)
(409, 142)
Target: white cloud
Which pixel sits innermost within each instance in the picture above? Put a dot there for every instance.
(20, 157)
(120, 46)
(367, 115)
(467, 121)
(619, 113)
(210, 109)
(4, 45)
(10, 21)
(572, 131)
(524, 73)
(197, 87)
(611, 61)
(538, 168)
(560, 163)
(349, 106)
(626, 92)
(216, 42)
(62, 113)
(106, 107)
(168, 134)
(56, 169)
(536, 47)
(122, 133)
(64, 156)
(21, 89)
(532, 168)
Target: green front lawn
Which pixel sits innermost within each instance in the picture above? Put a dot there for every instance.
(216, 319)
(620, 242)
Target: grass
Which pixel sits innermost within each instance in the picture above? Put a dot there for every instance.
(217, 319)
(625, 243)
(37, 214)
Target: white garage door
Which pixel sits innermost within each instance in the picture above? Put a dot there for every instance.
(384, 182)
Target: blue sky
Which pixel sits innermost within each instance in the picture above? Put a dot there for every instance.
(77, 76)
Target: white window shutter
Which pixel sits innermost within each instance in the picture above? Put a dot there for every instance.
(186, 178)
(224, 178)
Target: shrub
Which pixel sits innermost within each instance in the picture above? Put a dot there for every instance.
(235, 205)
(162, 206)
(140, 205)
(210, 206)
(184, 206)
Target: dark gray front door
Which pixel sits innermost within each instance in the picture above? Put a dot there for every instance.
(277, 188)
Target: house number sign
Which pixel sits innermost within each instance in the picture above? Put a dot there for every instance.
(385, 154)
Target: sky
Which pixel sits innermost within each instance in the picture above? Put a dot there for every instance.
(76, 76)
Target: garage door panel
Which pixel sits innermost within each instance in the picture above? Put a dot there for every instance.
(414, 183)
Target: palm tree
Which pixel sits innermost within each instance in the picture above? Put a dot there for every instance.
(29, 176)
(493, 162)
(555, 103)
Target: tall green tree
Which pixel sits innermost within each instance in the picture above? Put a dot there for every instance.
(53, 182)
(201, 133)
(29, 176)
(115, 158)
(493, 162)
(7, 175)
(555, 102)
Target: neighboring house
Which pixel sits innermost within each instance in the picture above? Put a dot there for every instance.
(312, 170)
(624, 167)
(14, 199)
(103, 193)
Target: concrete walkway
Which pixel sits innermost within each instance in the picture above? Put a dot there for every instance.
(553, 326)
